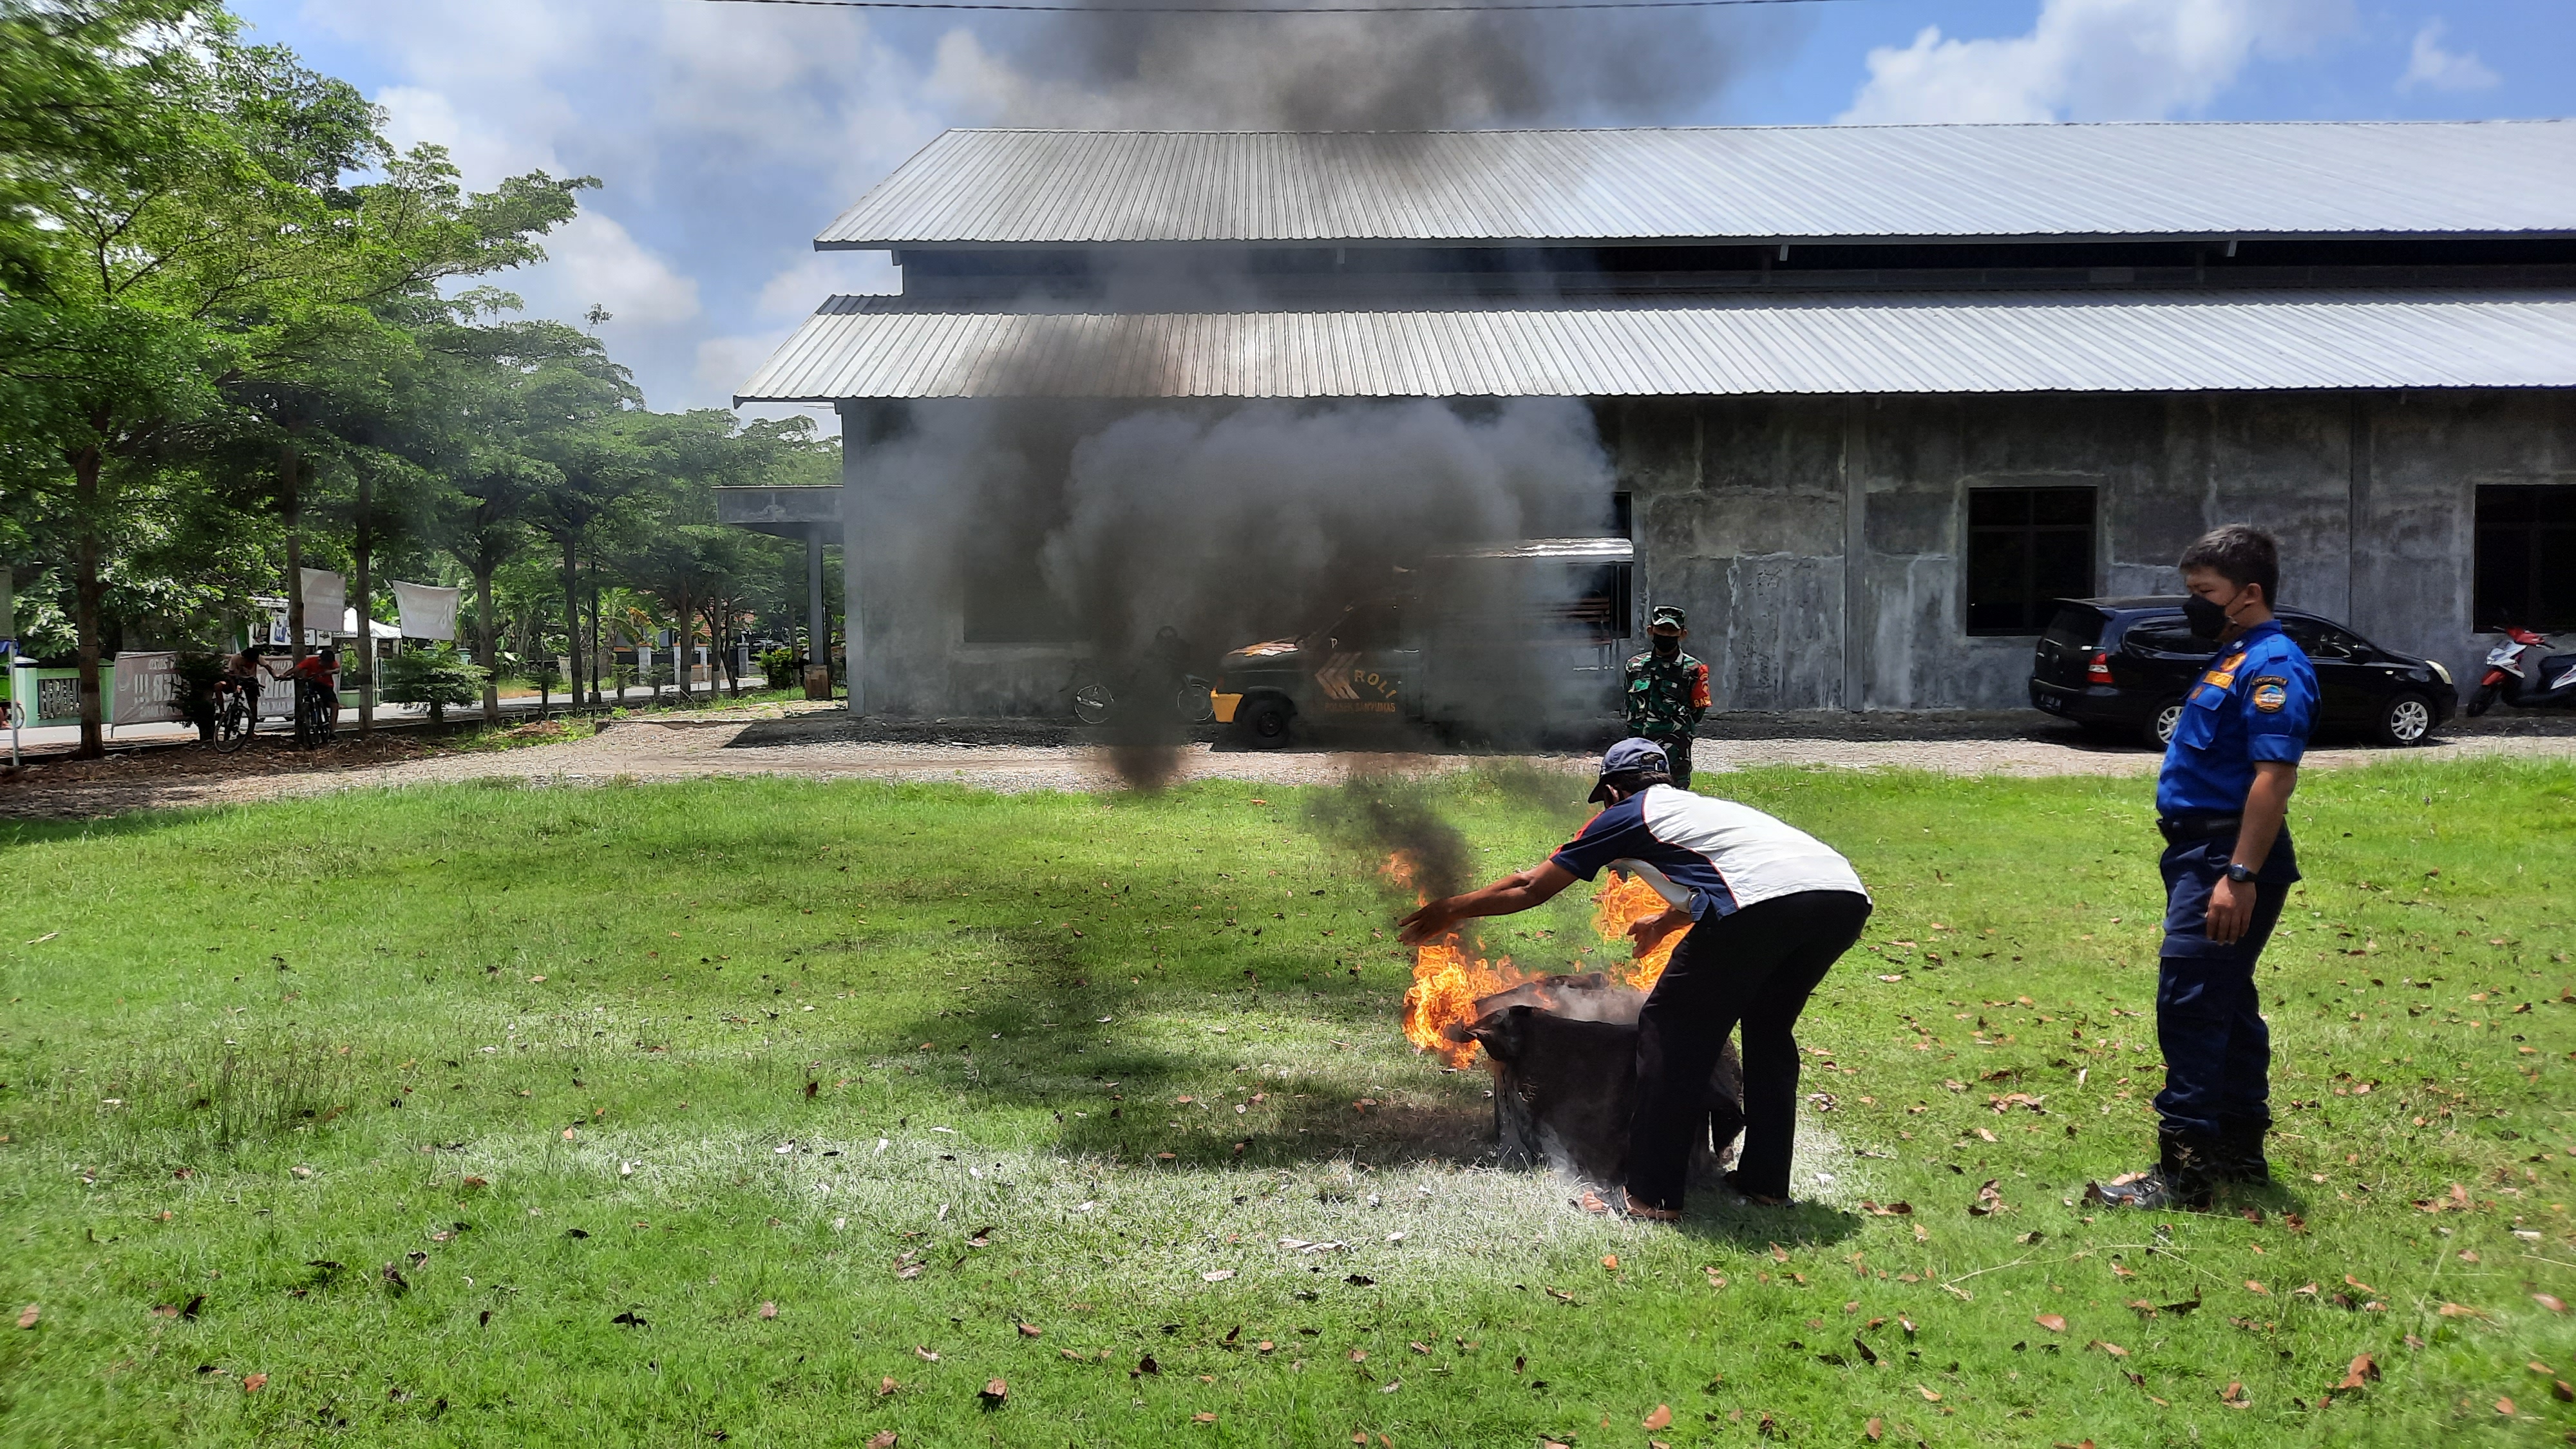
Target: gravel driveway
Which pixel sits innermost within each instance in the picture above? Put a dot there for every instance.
(821, 742)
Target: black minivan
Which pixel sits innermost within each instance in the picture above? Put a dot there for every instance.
(2123, 665)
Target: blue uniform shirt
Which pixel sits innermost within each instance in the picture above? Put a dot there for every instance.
(2256, 701)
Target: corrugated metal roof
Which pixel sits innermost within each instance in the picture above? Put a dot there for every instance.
(883, 347)
(980, 187)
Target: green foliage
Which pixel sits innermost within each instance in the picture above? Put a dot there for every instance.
(420, 928)
(779, 665)
(436, 676)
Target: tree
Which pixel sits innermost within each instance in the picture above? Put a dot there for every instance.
(437, 677)
(180, 235)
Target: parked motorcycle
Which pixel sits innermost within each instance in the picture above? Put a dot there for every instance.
(2521, 675)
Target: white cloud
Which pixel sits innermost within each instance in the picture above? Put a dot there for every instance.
(2443, 70)
(725, 137)
(2087, 60)
(797, 290)
(595, 261)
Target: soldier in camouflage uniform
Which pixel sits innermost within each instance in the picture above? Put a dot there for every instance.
(1667, 691)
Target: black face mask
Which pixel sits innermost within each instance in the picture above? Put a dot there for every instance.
(1665, 646)
(2207, 620)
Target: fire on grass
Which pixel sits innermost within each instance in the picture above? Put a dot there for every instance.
(1447, 982)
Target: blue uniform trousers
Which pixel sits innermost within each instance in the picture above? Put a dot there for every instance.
(2218, 1052)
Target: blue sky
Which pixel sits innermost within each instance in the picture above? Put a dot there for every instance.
(727, 134)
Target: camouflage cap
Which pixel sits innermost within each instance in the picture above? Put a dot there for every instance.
(1667, 615)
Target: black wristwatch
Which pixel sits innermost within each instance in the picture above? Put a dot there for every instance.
(2240, 873)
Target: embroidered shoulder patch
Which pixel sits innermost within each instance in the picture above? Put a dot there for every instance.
(2271, 693)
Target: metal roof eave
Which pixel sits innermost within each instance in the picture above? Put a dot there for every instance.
(2212, 238)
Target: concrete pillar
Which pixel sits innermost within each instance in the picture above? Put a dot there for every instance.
(818, 634)
(1859, 620)
(859, 428)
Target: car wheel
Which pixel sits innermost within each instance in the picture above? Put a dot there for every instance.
(2405, 720)
(2160, 725)
(1265, 723)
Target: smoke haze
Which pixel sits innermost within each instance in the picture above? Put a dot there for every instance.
(1350, 72)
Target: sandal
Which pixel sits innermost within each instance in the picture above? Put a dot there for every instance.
(1628, 1207)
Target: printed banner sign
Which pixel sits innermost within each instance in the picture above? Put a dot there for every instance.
(326, 600)
(145, 689)
(425, 612)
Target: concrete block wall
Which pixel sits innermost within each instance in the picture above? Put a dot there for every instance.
(1750, 513)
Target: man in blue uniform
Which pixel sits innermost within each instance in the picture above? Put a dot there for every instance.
(2223, 803)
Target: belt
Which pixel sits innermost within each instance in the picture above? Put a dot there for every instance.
(2179, 828)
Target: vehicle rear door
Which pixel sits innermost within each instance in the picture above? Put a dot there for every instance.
(2158, 655)
(1370, 666)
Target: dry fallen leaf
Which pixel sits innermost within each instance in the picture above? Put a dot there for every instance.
(2505, 1407)
(2050, 1321)
(1873, 1429)
(28, 1318)
(1202, 1418)
(253, 1383)
(2113, 1349)
(2253, 1287)
(2235, 1398)
(882, 1439)
(769, 1310)
(2459, 1310)
(995, 1391)
(2549, 1302)
(1219, 1276)
(1928, 1395)
(1030, 1330)
(886, 1386)
(1662, 1417)
(2359, 1375)
(1610, 1261)
(923, 1354)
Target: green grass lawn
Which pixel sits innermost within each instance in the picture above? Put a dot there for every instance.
(788, 1113)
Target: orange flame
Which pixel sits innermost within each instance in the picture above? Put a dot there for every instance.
(1623, 903)
(1447, 982)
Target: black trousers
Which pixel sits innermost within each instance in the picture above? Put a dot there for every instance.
(1756, 966)
(2209, 1017)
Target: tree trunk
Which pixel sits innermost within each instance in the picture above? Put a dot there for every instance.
(366, 611)
(290, 507)
(683, 663)
(491, 661)
(594, 634)
(86, 591)
(572, 618)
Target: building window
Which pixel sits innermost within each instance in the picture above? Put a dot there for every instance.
(2027, 548)
(2526, 556)
(1623, 516)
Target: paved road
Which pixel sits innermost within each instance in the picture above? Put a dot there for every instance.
(819, 742)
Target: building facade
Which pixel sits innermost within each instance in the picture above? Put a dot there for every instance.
(1872, 397)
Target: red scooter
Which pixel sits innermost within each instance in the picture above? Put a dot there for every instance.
(2520, 675)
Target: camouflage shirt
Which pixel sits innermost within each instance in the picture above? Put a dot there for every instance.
(1665, 696)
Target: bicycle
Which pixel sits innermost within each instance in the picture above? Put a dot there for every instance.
(316, 713)
(236, 715)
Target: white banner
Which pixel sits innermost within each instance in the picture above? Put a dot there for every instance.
(425, 612)
(146, 688)
(326, 599)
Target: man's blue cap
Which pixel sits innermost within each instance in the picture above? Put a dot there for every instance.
(1622, 762)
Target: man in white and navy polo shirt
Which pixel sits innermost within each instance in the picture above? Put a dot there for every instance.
(1773, 908)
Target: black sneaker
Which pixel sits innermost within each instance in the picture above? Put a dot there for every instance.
(2181, 1179)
